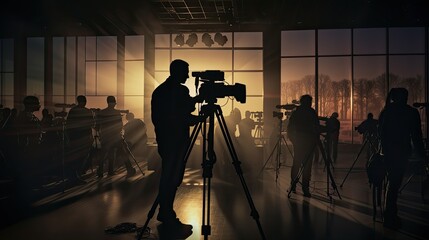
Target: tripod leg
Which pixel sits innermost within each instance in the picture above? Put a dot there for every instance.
(269, 157)
(128, 150)
(149, 217)
(328, 172)
(354, 162)
(254, 213)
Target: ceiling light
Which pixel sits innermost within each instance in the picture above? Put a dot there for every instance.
(179, 40)
(207, 40)
(192, 39)
(220, 39)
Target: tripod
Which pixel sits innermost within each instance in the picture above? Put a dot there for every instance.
(368, 137)
(278, 149)
(210, 111)
(327, 160)
(128, 150)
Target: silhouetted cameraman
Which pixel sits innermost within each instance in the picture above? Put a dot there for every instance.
(369, 130)
(399, 125)
(171, 115)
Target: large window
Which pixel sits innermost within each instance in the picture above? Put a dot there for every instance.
(352, 67)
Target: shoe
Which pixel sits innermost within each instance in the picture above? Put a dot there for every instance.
(176, 224)
(173, 232)
(306, 193)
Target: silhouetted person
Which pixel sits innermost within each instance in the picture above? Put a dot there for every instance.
(135, 133)
(303, 131)
(80, 122)
(369, 130)
(110, 122)
(332, 135)
(171, 115)
(399, 126)
(245, 127)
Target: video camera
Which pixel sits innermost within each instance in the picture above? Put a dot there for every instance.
(420, 104)
(257, 115)
(213, 86)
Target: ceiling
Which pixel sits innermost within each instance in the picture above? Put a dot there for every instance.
(105, 17)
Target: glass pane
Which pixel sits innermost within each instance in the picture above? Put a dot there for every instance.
(96, 102)
(253, 104)
(90, 48)
(71, 66)
(7, 56)
(35, 66)
(81, 66)
(248, 39)
(106, 78)
(406, 40)
(334, 86)
(134, 47)
(253, 81)
(369, 41)
(297, 78)
(106, 48)
(248, 60)
(162, 60)
(58, 65)
(134, 78)
(162, 40)
(160, 77)
(369, 89)
(7, 88)
(298, 43)
(334, 41)
(409, 72)
(135, 104)
(201, 60)
(91, 78)
(7, 102)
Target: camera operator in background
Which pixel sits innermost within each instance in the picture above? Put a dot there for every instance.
(303, 131)
(110, 124)
(332, 135)
(245, 127)
(172, 108)
(135, 134)
(369, 130)
(399, 125)
(80, 122)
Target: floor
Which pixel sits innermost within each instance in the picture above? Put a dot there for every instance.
(84, 212)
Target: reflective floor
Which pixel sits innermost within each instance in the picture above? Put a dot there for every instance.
(84, 212)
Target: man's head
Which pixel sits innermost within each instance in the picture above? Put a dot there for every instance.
(179, 70)
(248, 114)
(334, 115)
(81, 100)
(129, 116)
(31, 104)
(306, 100)
(111, 101)
(399, 95)
(370, 116)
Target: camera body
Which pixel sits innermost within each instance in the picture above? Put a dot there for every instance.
(213, 86)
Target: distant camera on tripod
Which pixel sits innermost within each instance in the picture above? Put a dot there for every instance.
(213, 86)
(61, 114)
(278, 115)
